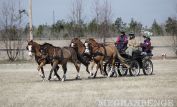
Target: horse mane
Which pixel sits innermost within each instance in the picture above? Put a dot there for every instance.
(94, 41)
(66, 47)
(46, 44)
(31, 41)
(79, 43)
(76, 38)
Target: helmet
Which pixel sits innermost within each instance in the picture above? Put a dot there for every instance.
(132, 35)
(122, 31)
(146, 36)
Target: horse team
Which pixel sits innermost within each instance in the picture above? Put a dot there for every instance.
(90, 52)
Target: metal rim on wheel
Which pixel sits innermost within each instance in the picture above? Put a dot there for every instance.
(147, 67)
(122, 71)
(135, 68)
(107, 68)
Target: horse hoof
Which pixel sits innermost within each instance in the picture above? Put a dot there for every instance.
(109, 75)
(78, 78)
(49, 79)
(43, 76)
(59, 79)
(55, 77)
(62, 79)
(90, 77)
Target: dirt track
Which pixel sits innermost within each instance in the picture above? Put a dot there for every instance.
(20, 86)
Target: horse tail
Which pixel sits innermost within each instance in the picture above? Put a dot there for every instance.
(119, 56)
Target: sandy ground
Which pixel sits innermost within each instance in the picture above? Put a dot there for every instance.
(20, 86)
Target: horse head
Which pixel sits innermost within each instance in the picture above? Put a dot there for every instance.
(32, 47)
(77, 44)
(89, 45)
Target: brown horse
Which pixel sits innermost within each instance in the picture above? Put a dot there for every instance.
(58, 55)
(34, 48)
(79, 47)
(101, 52)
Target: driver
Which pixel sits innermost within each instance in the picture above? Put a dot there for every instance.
(132, 44)
(121, 42)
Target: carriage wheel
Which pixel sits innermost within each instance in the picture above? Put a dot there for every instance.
(147, 67)
(122, 71)
(134, 68)
(107, 69)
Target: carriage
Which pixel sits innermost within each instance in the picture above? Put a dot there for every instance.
(138, 61)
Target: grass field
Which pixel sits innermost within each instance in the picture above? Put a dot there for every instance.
(20, 86)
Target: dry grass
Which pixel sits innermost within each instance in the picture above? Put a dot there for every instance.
(20, 86)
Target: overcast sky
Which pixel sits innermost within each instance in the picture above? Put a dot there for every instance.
(144, 11)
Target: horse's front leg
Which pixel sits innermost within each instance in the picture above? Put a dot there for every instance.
(64, 66)
(55, 72)
(55, 63)
(97, 67)
(112, 68)
(92, 65)
(101, 69)
(78, 69)
(40, 66)
(43, 75)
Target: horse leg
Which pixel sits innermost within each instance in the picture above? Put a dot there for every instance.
(112, 68)
(55, 72)
(64, 66)
(78, 69)
(43, 75)
(91, 73)
(53, 67)
(87, 69)
(98, 66)
(101, 69)
(113, 65)
(40, 66)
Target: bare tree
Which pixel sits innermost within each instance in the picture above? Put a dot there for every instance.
(11, 29)
(97, 14)
(103, 15)
(77, 17)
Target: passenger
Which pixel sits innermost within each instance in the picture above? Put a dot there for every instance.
(132, 44)
(121, 42)
(146, 46)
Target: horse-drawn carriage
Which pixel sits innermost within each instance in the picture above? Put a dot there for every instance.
(139, 60)
(106, 57)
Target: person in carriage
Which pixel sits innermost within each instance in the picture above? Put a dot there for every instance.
(132, 45)
(121, 42)
(146, 45)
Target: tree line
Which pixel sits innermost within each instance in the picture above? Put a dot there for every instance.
(64, 30)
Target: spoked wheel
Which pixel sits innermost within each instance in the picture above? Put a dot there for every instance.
(122, 71)
(134, 68)
(107, 68)
(147, 67)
